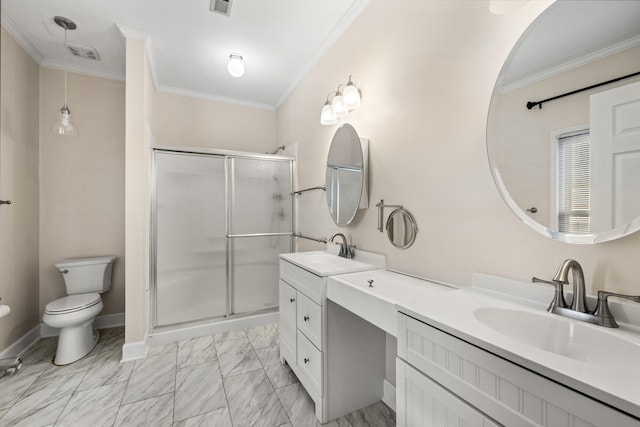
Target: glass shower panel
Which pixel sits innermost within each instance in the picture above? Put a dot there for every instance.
(260, 196)
(190, 232)
(255, 271)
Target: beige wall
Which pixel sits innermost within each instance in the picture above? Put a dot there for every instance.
(18, 183)
(192, 122)
(427, 71)
(81, 181)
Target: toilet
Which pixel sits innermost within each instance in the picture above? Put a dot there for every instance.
(85, 279)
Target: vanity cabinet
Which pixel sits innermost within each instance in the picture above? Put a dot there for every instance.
(441, 378)
(316, 355)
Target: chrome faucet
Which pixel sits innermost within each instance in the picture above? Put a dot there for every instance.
(346, 250)
(579, 310)
(579, 293)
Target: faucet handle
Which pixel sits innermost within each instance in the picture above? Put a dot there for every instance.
(558, 298)
(605, 317)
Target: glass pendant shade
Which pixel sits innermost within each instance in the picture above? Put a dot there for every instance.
(337, 106)
(326, 115)
(64, 125)
(351, 97)
(235, 65)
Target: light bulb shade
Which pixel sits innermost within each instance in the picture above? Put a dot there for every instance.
(235, 65)
(64, 125)
(351, 97)
(326, 115)
(337, 106)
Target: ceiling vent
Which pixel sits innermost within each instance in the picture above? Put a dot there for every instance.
(223, 7)
(81, 51)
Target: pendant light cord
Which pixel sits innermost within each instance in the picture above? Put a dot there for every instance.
(65, 67)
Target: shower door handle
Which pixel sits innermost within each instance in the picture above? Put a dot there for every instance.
(292, 300)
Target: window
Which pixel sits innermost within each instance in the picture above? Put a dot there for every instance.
(574, 182)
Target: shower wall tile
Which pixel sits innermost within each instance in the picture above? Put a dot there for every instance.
(195, 351)
(252, 400)
(93, 407)
(151, 377)
(156, 412)
(198, 390)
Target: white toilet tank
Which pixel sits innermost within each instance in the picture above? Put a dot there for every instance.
(84, 275)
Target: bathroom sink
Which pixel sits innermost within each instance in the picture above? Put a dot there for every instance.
(564, 337)
(326, 263)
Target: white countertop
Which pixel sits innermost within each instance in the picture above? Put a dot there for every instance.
(328, 263)
(453, 312)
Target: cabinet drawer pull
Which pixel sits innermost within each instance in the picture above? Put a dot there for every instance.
(306, 360)
(292, 300)
(306, 318)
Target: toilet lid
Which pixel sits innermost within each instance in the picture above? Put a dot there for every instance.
(72, 303)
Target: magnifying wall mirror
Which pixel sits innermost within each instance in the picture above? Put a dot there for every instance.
(401, 228)
(346, 175)
(570, 167)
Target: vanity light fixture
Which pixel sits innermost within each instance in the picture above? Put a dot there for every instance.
(351, 98)
(341, 104)
(64, 125)
(326, 115)
(337, 104)
(235, 65)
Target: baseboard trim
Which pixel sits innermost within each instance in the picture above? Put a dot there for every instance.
(134, 351)
(22, 343)
(389, 394)
(101, 322)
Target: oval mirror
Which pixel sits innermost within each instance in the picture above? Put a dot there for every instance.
(401, 228)
(565, 160)
(345, 175)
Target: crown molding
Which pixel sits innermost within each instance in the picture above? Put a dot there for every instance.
(341, 27)
(570, 65)
(56, 65)
(209, 97)
(20, 38)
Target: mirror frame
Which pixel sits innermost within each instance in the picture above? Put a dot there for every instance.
(413, 227)
(602, 236)
(353, 138)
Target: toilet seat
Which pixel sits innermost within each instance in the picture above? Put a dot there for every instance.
(72, 303)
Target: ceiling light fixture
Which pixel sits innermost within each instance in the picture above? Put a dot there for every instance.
(342, 103)
(64, 125)
(235, 65)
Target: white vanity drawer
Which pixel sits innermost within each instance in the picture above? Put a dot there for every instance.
(309, 319)
(302, 280)
(310, 363)
(508, 393)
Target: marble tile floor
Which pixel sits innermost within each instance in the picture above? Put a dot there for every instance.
(228, 379)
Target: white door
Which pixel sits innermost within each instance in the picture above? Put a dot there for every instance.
(615, 157)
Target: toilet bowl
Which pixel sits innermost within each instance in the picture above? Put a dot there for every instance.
(85, 279)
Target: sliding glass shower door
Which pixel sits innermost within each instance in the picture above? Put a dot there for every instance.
(219, 224)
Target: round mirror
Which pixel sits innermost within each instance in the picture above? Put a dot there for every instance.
(567, 160)
(401, 228)
(345, 175)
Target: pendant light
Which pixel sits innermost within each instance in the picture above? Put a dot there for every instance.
(64, 125)
(235, 65)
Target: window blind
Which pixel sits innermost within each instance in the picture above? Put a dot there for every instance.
(574, 183)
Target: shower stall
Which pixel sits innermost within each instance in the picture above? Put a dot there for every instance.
(219, 221)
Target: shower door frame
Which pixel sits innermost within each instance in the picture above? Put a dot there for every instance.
(226, 155)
